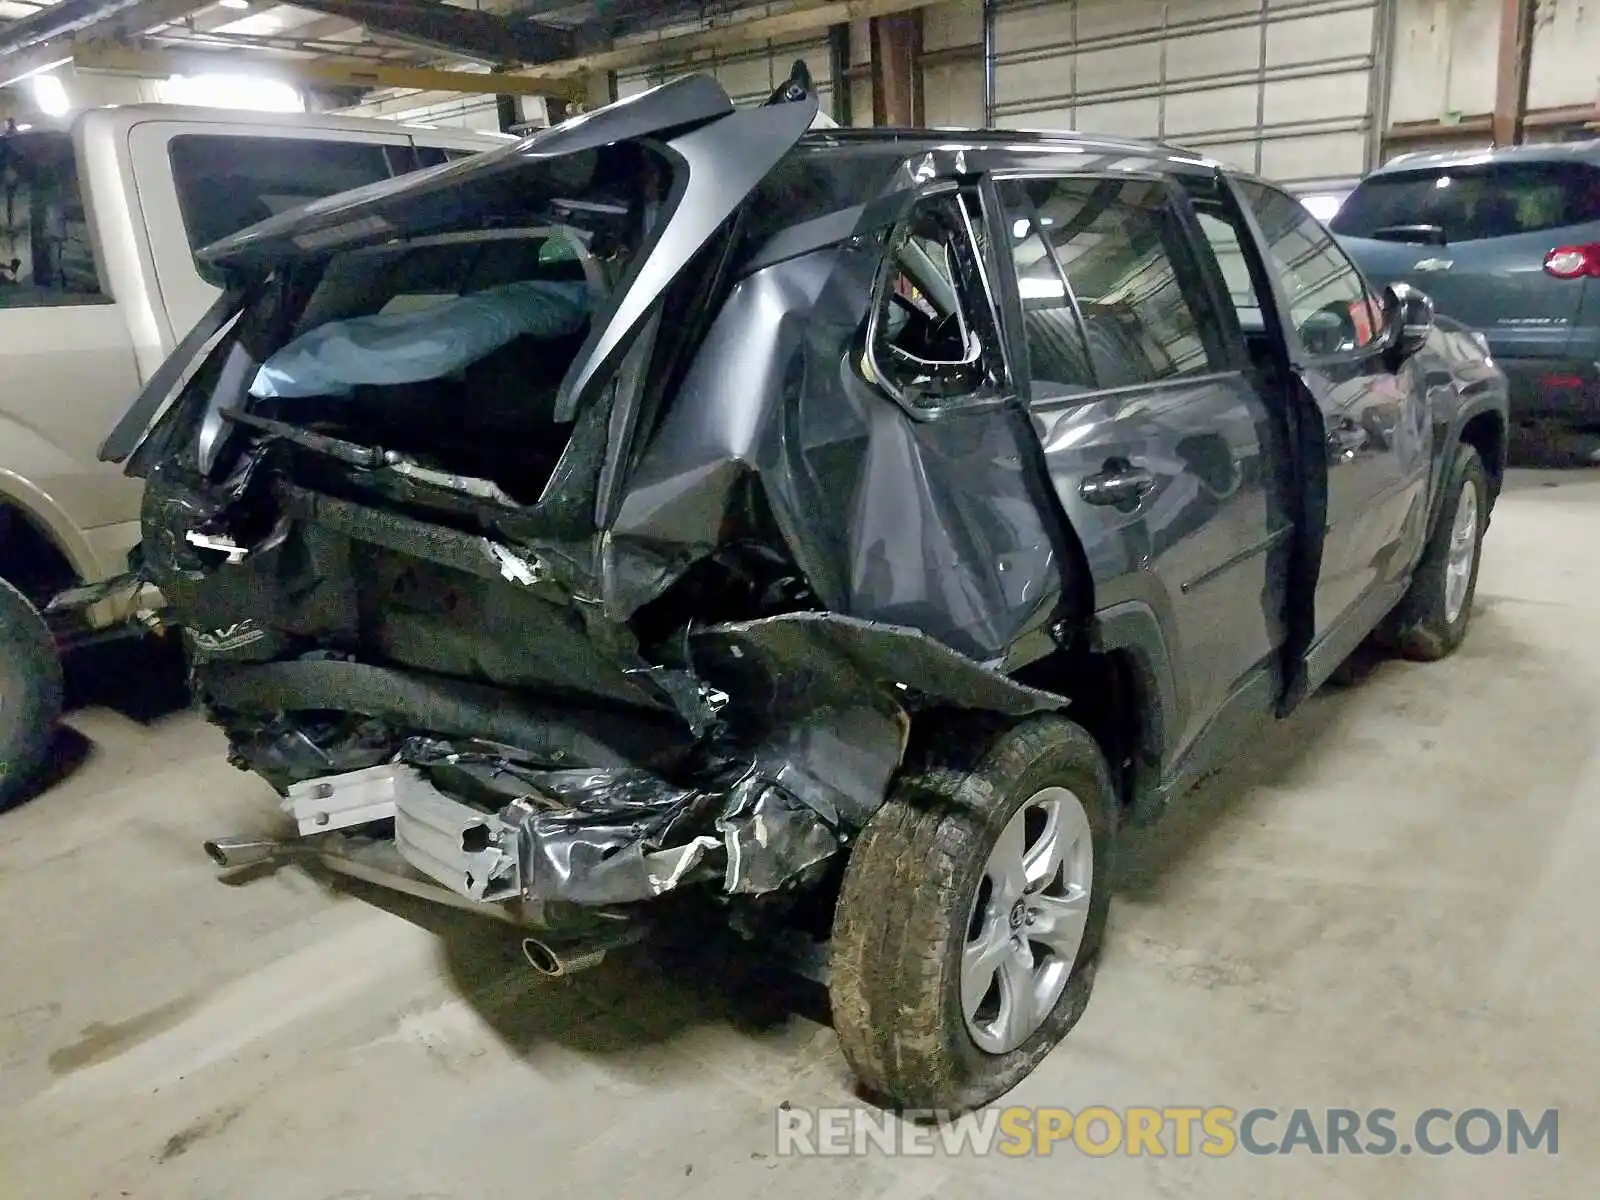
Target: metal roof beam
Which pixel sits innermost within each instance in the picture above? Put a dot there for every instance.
(736, 30)
(431, 25)
(61, 20)
(143, 62)
(25, 51)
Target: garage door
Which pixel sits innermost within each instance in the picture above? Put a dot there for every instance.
(1283, 88)
(748, 76)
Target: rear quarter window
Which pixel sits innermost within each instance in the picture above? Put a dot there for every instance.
(1473, 203)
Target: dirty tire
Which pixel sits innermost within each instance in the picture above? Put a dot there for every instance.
(30, 695)
(906, 900)
(1420, 628)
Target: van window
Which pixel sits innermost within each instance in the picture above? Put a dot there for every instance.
(46, 252)
(229, 182)
(437, 156)
(1469, 203)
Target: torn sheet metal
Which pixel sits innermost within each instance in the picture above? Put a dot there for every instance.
(513, 567)
(463, 848)
(626, 836)
(623, 835)
(849, 651)
(220, 543)
(697, 702)
(817, 729)
(771, 838)
(836, 758)
(546, 731)
(595, 847)
(467, 485)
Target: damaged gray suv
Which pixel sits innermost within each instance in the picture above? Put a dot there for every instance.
(852, 529)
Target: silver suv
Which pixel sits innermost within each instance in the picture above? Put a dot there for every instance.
(1507, 242)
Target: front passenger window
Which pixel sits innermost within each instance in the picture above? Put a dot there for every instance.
(1328, 302)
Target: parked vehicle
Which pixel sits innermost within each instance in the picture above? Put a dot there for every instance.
(98, 280)
(1507, 242)
(861, 526)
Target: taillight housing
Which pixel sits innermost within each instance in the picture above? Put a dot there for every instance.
(1574, 262)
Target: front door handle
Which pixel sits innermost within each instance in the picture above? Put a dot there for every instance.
(1119, 484)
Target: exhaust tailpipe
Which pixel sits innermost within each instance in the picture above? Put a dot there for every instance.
(557, 959)
(243, 851)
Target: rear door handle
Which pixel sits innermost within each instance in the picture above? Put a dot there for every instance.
(1119, 483)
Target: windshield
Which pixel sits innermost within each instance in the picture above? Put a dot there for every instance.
(1467, 203)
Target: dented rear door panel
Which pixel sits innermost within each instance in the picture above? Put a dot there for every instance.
(1202, 547)
(1172, 488)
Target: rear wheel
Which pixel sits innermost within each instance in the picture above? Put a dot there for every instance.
(970, 917)
(1432, 619)
(30, 695)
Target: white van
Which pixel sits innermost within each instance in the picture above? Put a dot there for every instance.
(99, 222)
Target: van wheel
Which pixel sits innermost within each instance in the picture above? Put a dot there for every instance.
(1432, 619)
(970, 916)
(30, 695)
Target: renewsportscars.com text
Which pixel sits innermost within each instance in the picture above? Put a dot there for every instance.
(1180, 1132)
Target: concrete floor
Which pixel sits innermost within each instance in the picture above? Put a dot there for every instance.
(1392, 906)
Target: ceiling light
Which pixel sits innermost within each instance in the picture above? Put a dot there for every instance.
(50, 94)
(1034, 288)
(1323, 206)
(234, 3)
(249, 92)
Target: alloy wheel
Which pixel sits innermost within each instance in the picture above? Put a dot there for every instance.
(1027, 920)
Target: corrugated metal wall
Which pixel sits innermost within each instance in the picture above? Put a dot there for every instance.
(1296, 90)
(1282, 87)
(952, 91)
(1566, 55)
(1444, 61)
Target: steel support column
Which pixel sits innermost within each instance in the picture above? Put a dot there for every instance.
(839, 71)
(1511, 71)
(896, 71)
(1385, 28)
(988, 63)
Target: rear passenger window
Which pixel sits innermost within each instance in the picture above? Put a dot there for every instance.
(1102, 300)
(46, 252)
(1470, 203)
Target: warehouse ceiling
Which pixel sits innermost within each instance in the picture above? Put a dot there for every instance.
(465, 35)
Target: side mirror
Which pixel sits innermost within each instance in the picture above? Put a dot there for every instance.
(1409, 314)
